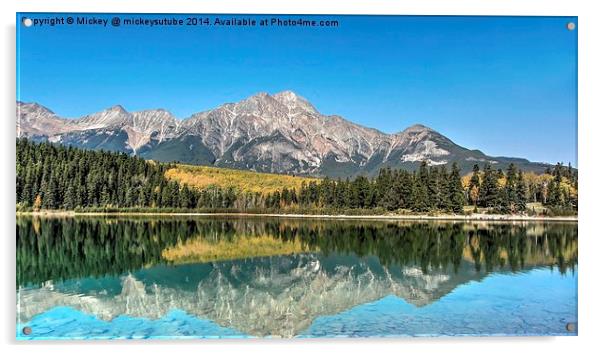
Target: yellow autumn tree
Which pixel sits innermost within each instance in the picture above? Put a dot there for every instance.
(37, 203)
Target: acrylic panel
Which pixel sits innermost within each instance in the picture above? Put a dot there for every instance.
(292, 176)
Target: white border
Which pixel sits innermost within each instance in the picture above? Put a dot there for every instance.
(590, 60)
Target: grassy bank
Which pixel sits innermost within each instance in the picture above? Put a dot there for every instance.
(310, 215)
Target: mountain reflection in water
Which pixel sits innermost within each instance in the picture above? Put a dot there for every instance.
(266, 277)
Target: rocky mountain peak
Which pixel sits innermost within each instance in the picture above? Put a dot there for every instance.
(417, 128)
(294, 102)
(153, 118)
(114, 116)
(260, 104)
(35, 119)
(117, 108)
(33, 107)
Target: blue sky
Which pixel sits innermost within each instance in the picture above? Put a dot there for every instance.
(505, 85)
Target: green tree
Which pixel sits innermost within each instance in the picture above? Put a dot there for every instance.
(510, 197)
(455, 190)
(521, 193)
(420, 196)
(488, 193)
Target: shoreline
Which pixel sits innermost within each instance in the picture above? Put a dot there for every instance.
(392, 217)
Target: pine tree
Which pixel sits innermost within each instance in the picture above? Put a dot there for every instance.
(341, 194)
(404, 185)
(521, 193)
(488, 195)
(69, 202)
(555, 196)
(445, 202)
(456, 191)
(384, 190)
(502, 202)
(420, 197)
(434, 189)
(510, 199)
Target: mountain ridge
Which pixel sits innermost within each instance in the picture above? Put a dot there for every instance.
(279, 133)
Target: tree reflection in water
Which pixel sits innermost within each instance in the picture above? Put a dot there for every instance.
(57, 249)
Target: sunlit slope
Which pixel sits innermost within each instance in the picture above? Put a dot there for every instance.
(242, 180)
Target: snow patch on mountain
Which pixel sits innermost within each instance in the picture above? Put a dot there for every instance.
(426, 151)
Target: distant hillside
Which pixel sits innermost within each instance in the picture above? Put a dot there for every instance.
(242, 180)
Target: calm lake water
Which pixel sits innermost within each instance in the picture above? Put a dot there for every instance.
(178, 277)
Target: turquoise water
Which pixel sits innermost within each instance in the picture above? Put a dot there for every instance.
(499, 305)
(67, 323)
(349, 279)
(547, 307)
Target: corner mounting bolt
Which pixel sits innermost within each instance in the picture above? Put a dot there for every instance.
(27, 22)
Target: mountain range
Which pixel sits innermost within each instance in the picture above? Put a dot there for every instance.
(279, 133)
